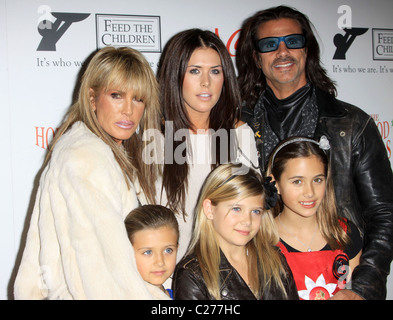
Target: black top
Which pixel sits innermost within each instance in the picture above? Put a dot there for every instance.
(188, 283)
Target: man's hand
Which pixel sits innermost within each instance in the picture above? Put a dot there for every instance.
(346, 295)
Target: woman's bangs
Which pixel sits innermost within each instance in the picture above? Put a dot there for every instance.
(130, 79)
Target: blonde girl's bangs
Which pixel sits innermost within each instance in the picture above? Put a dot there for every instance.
(237, 188)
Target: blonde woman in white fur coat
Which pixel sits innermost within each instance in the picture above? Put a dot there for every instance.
(77, 246)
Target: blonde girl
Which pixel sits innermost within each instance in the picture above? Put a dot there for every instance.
(232, 253)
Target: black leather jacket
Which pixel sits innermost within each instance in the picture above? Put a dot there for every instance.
(188, 283)
(363, 182)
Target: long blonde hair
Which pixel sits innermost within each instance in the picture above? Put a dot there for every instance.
(124, 69)
(227, 182)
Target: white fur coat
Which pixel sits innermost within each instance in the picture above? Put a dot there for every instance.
(77, 246)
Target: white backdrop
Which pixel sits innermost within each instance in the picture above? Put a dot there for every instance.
(39, 67)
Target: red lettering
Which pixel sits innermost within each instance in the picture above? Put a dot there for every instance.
(386, 129)
(37, 136)
(230, 41)
(43, 136)
(47, 135)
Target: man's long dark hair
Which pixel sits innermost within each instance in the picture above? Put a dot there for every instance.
(251, 80)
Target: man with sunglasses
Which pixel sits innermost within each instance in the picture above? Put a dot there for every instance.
(286, 92)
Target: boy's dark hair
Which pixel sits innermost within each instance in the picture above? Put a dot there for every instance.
(150, 217)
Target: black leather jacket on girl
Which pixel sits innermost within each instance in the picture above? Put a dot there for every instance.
(363, 182)
(188, 283)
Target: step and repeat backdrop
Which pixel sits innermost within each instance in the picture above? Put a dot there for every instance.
(43, 45)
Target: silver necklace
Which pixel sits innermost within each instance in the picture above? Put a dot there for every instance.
(312, 239)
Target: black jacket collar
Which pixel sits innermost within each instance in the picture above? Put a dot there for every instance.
(328, 105)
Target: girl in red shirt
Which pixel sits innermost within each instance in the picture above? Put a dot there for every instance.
(321, 248)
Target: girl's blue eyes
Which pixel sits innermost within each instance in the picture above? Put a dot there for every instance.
(150, 252)
(255, 211)
(147, 252)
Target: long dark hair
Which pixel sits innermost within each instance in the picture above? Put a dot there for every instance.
(327, 214)
(251, 79)
(170, 74)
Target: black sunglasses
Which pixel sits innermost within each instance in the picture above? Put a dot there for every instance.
(292, 41)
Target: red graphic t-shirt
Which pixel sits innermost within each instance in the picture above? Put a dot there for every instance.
(319, 274)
